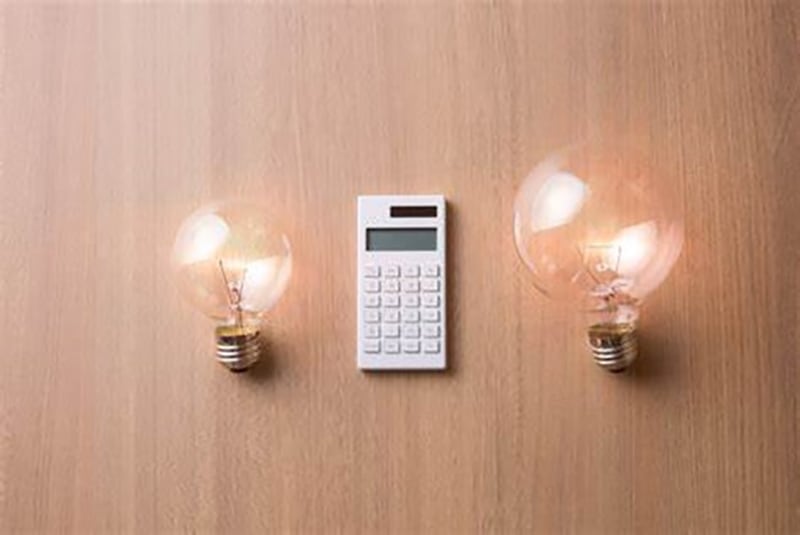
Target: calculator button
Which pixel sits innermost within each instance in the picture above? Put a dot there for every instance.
(372, 316)
(391, 316)
(372, 346)
(430, 346)
(411, 346)
(391, 286)
(429, 285)
(430, 316)
(411, 271)
(391, 271)
(372, 301)
(431, 270)
(411, 286)
(411, 316)
(372, 286)
(372, 271)
(411, 301)
(391, 330)
(410, 331)
(372, 331)
(430, 300)
(391, 346)
(391, 300)
(430, 331)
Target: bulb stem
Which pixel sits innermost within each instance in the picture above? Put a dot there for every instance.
(238, 347)
(614, 346)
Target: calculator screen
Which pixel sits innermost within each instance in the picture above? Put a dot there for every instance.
(401, 239)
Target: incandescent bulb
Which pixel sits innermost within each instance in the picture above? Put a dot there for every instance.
(598, 229)
(233, 265)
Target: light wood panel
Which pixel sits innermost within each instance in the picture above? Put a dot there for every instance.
(118, 120)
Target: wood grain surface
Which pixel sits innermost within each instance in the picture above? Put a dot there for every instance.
(118, 120)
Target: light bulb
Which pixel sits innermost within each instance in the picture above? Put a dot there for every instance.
(597, 228)
(233, 265)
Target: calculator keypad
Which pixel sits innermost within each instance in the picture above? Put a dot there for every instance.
(403, 309)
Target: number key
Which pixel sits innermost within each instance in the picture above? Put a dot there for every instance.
(391, 330)
(411, 346)
(430, 285)
(391, 300)
(411, 286)
(430, 300)
(411, 316)
(411, 301)
(391, 346)
(372, 331)
(431, 270)
(430, 331)
(391, 286)
(411, 270)
(410, 331)
(430, 316)
(430, 346)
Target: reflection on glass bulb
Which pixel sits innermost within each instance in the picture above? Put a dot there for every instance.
(206, 235)
(632, 248)
(233, 265)
(556, 203)
(592, 225)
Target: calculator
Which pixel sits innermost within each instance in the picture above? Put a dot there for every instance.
(402, 323)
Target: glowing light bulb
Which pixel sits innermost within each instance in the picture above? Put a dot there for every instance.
(597, 228)
(233, 265)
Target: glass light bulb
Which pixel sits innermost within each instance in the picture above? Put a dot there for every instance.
(599, 229)
(233, 265)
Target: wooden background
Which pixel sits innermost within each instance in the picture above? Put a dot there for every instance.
(117, 121)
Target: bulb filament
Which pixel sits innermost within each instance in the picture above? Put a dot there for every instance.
(234, 293)
(611, 291)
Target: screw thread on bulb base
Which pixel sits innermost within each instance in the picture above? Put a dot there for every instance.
(613, 345)
(238, 348)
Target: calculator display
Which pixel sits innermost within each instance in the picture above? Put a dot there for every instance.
(401, 239)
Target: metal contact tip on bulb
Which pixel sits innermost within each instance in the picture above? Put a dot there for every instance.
(613, 345)
(238, 347)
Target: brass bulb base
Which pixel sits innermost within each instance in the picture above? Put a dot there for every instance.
(613, 345)
(238, 347)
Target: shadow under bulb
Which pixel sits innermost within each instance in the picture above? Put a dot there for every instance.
(598, 229)
(233, 265)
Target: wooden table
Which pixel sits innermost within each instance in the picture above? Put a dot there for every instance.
(118, 120)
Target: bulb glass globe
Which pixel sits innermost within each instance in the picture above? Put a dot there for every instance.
(233, 265)
(598, 228)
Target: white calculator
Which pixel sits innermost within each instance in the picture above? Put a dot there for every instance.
(401, 282)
